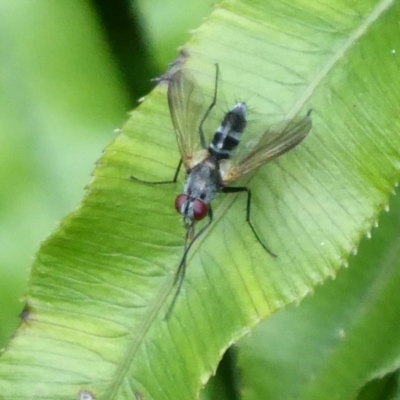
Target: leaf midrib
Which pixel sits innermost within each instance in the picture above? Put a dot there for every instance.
(339, 54)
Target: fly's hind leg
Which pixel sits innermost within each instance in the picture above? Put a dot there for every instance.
(248, 209)
(207, 113)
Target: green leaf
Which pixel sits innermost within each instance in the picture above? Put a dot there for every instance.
(101, 283)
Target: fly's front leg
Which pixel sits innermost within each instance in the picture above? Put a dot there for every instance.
(181, 271)
(248, 209)
(132, 178)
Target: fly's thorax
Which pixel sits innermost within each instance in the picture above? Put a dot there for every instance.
(227, 136)
(204, 180)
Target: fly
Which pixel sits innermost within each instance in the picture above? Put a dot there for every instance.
(211, 167)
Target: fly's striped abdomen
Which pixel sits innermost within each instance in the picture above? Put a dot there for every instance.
(227, 136)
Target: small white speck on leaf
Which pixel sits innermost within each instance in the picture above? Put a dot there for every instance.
(85, 395)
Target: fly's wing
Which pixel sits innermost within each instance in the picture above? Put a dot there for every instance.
(186, 106)
(271, 145)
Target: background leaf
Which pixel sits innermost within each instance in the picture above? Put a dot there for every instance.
(61, 98)
(99, 287)
(339, 339)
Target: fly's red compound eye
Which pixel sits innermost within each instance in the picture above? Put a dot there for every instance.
(180, 201)
(200, 209)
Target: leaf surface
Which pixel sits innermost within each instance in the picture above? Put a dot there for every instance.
(100, 284)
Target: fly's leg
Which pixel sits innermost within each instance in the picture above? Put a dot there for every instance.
(248, 208)
(181, 271)
(213, 103)
(132, 178)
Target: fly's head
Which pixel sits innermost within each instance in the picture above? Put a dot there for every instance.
(191, 208)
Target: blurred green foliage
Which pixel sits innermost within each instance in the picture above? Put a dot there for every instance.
(70, 72)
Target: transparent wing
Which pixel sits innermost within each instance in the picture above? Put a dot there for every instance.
(272, 144)
(187, 108)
